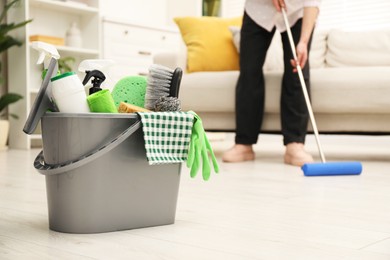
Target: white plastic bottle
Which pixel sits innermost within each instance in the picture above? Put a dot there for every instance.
(68, 93)
(73, 36)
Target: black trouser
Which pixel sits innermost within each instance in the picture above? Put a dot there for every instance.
(250, 91)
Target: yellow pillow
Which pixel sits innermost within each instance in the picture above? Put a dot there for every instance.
(209, 43)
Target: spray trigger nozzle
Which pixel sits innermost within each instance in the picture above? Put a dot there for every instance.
(45, 50)
(98, 78)
(41, 58)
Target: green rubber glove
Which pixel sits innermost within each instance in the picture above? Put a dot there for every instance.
(210, 150)
(200, 150)
(194, 153)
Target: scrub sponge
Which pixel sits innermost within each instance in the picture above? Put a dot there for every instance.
(129, 108)
(130, 90)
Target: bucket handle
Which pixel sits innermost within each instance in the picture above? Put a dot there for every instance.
(52, 169)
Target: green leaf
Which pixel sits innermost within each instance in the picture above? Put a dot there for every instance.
(8, 99)
(6, 8)
(8, 42)
(14, 116)
(65, 64)
(5, 28)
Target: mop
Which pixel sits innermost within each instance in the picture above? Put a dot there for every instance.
(324, 168)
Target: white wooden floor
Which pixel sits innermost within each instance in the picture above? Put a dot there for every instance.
(253, 210)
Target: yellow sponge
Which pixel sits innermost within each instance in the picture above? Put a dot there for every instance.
(129, 108)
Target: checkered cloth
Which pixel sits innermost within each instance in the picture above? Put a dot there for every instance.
(167, 136)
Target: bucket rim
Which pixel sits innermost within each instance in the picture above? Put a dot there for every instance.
(91, 115)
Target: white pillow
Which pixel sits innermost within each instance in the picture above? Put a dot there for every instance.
(358, 48)
(274, 58)
(318, 49)
(235, 30)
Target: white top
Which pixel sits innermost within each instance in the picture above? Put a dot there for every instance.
(264, 13)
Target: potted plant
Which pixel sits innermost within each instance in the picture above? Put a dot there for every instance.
(6, 42)
(211, 7)
(65, 64)
(6, 100)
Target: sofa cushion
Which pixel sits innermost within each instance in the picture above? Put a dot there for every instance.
(209, 43)
(236, 33)
(215, 91)
(358, 48)
(352, 90)
(201, 91)
(274, 58)
(318, 49)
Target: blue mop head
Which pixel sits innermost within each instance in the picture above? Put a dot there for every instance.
(332, 168)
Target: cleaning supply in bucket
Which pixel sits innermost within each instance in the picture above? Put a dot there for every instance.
(130, 108)
(167, 136)
(97, 77)
(167, 104)
(69, 94)
(46, 52)
(162, 82)
(99, 100)
(103, 65)
(43, 101)
(131, 90)
(200, 149)
(324, 168)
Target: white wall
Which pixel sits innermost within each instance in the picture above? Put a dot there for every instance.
(347, 15)
(149, 12)
(3, 61)
(177, 8)
(355, 15)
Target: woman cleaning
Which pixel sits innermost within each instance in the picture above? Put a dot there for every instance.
(260, 21)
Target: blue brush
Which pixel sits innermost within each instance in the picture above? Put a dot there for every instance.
(324, 168)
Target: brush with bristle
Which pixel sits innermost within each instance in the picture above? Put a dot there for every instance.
(162, 88)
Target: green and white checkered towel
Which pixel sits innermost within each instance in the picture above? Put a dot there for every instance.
(167, 136)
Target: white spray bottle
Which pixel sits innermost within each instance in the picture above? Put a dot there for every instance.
(102, 65)
(66, 89)
(46, 52)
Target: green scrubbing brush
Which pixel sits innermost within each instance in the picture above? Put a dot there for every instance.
(130, 90)
(162, 82)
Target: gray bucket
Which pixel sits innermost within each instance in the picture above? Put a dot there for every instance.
(97, 175)
(98, 178)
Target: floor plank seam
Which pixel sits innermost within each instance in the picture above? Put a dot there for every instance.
(374, 243)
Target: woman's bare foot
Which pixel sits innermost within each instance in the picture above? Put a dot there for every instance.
(296, 154)
(239, 153)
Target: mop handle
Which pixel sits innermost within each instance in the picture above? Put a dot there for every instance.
(303, 85)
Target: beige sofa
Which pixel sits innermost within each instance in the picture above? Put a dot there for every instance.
(350, 84)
